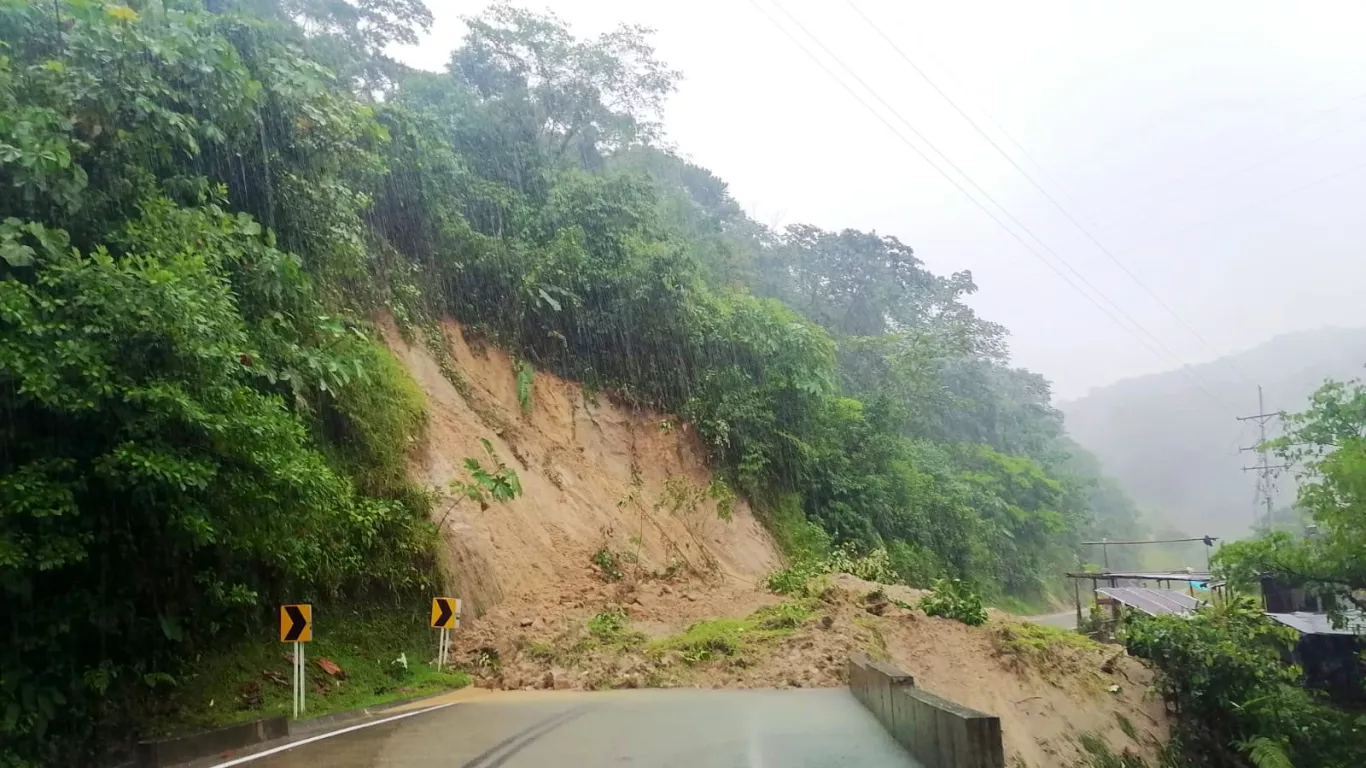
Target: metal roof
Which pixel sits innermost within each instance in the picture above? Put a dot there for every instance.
(1196, 576)
(1318, 623)
(1153, 602)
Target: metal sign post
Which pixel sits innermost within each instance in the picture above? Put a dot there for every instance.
(445, 617)
(296, 626)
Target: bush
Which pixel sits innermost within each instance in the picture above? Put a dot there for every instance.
(608, 563)
(721, 638)
(874, 566)
(1223, 668)
(794, 579)
(954, 599)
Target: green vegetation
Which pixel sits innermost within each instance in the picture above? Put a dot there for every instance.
(1224, 670)
(735, 639)
(1226, 667)
(953, 599)
(796, 578)
(1327, 444)
(526, 383)
(1099, 754)
(251, 679)
(205, 203)
(484, 486)
(608, 562)
(1038, 645)
(610, 627)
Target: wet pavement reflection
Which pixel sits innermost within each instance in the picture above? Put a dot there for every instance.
(679, 727)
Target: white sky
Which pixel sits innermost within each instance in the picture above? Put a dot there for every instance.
(1178, 133)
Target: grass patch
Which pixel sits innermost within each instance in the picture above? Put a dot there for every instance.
(1126, 725)
(876, 643)
(736, 638)
(610, 628)
(1038, 644)
(252, 679)
(1098, 754)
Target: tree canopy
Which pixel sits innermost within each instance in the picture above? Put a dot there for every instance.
(207, 202)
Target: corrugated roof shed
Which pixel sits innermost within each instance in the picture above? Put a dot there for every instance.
(1318, 623)
(1153, 602)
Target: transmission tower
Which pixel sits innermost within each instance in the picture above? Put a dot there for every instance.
(1264, 468)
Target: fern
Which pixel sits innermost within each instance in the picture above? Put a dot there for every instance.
(526, 380)
(1265, 752)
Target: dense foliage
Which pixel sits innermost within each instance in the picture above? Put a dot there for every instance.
(1227, 668)
(205, 200)
(952, 599)
(1238, 702)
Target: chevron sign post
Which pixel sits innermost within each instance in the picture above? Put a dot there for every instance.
(296, 626)
(445, 617)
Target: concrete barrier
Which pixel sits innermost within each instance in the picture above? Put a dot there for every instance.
(937, 732)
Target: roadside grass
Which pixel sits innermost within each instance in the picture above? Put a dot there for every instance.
(253, 679)
(735, 638)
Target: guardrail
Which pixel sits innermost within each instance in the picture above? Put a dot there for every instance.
(937, 732)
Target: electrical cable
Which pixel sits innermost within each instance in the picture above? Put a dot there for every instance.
(1185, 367)
(1056, 204)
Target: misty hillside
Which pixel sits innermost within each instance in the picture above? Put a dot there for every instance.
(1174, 448)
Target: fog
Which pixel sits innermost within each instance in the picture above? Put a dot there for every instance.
(1213, 149)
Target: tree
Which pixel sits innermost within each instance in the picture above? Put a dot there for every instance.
(1327, 444)
(587, 96)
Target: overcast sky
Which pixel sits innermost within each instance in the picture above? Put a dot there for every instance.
(1214, 148)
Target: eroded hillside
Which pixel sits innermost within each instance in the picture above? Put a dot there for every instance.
(678, 599)
(596, 477)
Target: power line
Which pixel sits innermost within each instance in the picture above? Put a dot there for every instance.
(1113, 258)
(1153, 202)
(1316, 117)
(1250, 206)
(1186, 368)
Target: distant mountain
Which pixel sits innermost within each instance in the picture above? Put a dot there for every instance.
(1174, 447)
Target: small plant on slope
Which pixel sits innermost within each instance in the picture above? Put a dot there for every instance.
(501, 484)
(526, 383)
(953, 599)
(608, 562)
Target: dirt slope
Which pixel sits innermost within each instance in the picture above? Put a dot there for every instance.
(594, 474)
(600, 475)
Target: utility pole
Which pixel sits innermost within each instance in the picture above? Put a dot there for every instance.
(1264, 468)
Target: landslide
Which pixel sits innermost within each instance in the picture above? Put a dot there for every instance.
(597, 477)
(678, 599)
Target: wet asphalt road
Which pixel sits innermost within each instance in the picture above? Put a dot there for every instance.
(677, 727)
(1062, 619)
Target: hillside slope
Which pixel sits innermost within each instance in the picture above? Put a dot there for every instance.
(546, 616)
(595, 476)
(1175, 450)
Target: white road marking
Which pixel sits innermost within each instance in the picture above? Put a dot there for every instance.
(330, 734)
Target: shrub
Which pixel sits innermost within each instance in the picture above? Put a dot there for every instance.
(793, 579)
(874, 566)
(720, 638)
(954, 599)
(608, 563)
(1223, 668)
(611, 627)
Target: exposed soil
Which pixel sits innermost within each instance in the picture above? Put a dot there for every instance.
(594, 475)
(598, 475)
